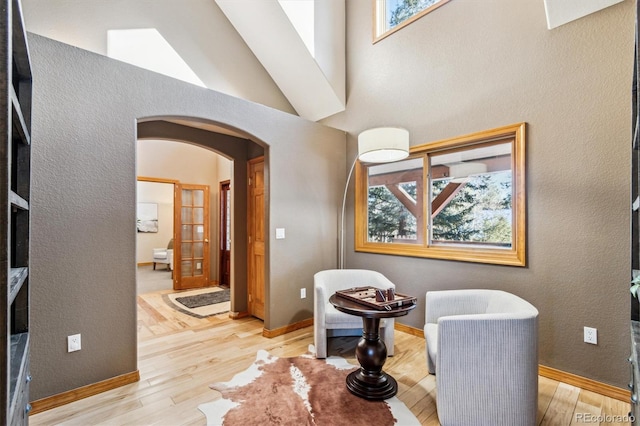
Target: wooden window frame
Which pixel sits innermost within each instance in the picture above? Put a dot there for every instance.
(514, 256)
(379, 17)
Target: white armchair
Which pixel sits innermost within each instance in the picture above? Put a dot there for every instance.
(329, 322)
(482, 345)
(164, 256)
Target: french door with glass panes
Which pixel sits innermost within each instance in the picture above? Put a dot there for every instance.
(191, 248)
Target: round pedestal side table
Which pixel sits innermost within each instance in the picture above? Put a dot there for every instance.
(370, 381)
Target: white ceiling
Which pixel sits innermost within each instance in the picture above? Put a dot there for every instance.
(560, 12)
(313, 83)
(251, 51)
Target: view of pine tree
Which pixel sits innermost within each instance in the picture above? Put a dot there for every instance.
(407, 9)
(479, 212)
(455, 221)
(496, 230)
(387, 217)
(494, 207)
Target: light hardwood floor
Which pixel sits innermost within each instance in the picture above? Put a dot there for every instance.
(179, 356)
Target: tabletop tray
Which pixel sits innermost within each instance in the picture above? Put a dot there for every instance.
(367, 296)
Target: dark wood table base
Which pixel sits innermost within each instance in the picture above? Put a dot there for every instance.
(370, 382)
(375, 389)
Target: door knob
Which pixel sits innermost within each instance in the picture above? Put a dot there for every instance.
(206, 240)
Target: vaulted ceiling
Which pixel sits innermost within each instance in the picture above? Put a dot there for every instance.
(250, 49)
(245, 48)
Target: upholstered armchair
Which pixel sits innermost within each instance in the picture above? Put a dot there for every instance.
(329, 322)
(164, 256)
(482, 345)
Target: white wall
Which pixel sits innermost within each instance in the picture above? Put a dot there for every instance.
(160, 194)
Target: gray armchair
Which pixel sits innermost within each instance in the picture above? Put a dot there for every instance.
(328, 321)
(482, 345)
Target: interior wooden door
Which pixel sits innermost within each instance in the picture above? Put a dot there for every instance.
(256, 235)
(191, 247)
(225, 233)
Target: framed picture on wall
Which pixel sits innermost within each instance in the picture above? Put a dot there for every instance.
(147, 217)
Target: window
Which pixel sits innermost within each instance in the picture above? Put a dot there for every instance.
(475, 187)
(391, 15)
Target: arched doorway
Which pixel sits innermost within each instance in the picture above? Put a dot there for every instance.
(239, 149)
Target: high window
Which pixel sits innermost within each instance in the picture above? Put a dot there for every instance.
(458, 199)
(391, 15)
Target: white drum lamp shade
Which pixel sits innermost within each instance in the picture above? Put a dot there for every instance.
(383, 145)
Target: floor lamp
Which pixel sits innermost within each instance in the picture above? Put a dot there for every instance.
(378, 145)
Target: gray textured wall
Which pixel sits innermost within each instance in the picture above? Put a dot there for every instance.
(83, 220)
(471, 66)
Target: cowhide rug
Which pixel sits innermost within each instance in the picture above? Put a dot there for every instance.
(299, 391)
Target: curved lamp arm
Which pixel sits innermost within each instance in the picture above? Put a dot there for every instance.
(344, 201)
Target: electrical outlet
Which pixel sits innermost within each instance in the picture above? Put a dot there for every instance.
(303, 293)
(591, 335)
(74, 343)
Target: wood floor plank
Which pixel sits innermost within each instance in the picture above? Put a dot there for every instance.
(546, 390)
(589, 406)
(562, 406)
(179, 356)
(614, 412)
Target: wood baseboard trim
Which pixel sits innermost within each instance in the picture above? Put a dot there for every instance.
(409, 330)
(64, 398)
(585, 383)
(287, 329)
(145, 263)
(238, 315)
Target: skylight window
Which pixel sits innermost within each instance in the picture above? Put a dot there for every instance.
(146, 48)
(301, 15)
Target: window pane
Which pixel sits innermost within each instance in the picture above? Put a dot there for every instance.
(187, 232)
(187, 200)
(394, 14)
(395, 202)
(471, 192)
(186, 268)
(198, 215)
(198, 234)
(198, 198)
(187, 250)
(198, 250)
(187, 215)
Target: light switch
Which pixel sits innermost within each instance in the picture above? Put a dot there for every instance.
(279, 233)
